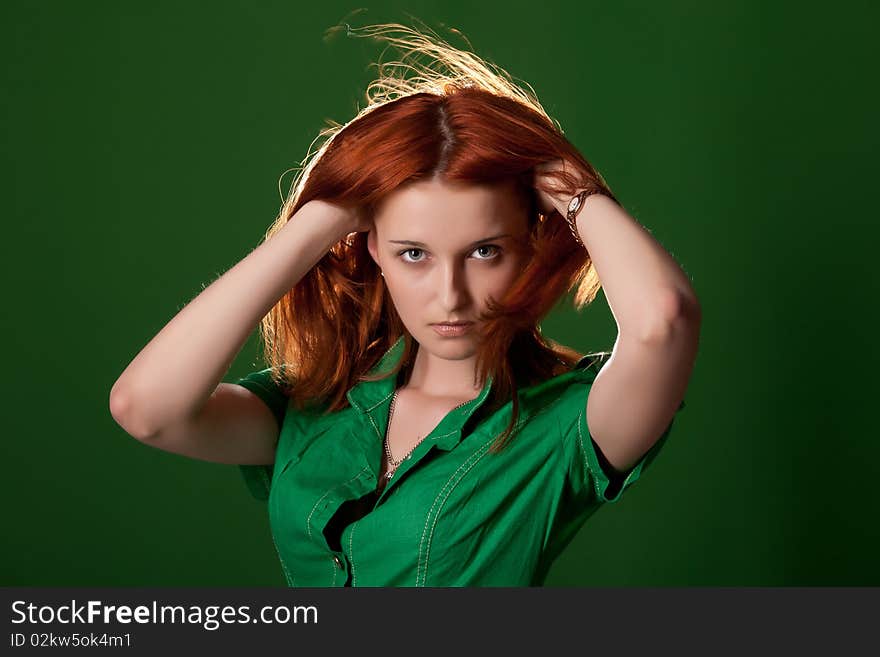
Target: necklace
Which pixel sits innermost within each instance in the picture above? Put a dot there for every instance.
(392, 462)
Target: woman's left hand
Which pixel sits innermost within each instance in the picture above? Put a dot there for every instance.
(547, 202)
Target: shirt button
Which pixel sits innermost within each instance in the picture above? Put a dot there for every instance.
(337, 561)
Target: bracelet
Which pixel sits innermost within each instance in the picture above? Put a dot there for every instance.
(574, 206)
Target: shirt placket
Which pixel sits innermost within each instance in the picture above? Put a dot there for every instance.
(327, 505)
(444, 436)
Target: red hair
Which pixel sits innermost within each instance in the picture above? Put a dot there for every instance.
(467, 123)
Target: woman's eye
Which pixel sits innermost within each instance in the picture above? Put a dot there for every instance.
(410, 251)
(493, 252)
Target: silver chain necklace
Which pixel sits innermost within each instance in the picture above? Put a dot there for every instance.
(392, 463)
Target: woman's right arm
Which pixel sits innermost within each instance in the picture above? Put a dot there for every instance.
(171, 395)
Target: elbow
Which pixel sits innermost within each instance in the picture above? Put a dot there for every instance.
(673, 312)
(121, 411)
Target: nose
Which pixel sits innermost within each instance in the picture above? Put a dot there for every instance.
(453, 286)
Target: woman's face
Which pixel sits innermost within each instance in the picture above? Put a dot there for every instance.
(444, 250)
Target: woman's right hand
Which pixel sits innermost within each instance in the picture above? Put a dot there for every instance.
(362, 222)
(347, 219)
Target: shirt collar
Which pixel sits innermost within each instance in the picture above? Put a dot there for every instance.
(372, 398)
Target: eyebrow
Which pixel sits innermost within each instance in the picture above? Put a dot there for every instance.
(471, 245)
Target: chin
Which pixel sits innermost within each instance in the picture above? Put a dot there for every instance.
(453, 348)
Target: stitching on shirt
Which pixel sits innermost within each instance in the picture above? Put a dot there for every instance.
(380, 402)
(287, 574)
(586, 461)
(320, 499)
(335, 569)
(378, 435)
(475, 458)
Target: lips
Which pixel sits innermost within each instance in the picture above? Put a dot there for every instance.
(456, 329)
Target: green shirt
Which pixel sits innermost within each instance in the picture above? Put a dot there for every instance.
(453, 514)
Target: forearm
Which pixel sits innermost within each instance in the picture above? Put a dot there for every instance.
(178, 370)
(645, 288)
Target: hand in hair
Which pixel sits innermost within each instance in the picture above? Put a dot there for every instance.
(353, 218)
(545, 180)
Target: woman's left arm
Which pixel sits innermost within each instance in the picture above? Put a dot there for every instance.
(658, 316)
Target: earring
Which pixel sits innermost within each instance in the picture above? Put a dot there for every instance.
(382, 273)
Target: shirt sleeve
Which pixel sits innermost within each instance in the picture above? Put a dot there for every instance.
(590, 470)
(258, 478)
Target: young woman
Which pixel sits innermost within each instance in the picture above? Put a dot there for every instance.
(413, 426)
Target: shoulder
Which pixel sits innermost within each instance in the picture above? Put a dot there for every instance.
(584, 372)
(551, 407)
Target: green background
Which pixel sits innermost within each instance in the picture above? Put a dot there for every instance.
(143, 146)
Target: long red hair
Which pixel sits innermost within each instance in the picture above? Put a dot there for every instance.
(466, 121)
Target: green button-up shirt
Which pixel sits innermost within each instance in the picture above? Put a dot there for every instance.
(453, 514)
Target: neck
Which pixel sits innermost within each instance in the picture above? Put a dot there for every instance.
(433, 376)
